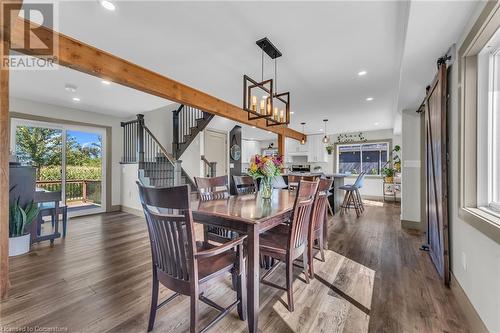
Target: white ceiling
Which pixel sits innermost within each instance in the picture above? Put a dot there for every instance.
(211, 45)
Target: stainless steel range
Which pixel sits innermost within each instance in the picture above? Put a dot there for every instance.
(301, 168)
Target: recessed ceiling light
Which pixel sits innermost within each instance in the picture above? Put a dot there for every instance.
(369, 99)
(70, 88)
(105, 82)
(253, 126)
(107, 5)
(291, 112)
(76, 99)
(321, 130)
(362, 73)
(376, 123)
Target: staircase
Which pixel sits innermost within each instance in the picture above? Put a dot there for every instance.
(156, 166)
(188, 122)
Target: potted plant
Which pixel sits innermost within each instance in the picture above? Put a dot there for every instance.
(388, 174)
(396, 159)
(329, 148)
(265, 168)
(20, 220)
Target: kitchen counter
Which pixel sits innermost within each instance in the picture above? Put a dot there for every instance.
(328, 175)
(338, 180)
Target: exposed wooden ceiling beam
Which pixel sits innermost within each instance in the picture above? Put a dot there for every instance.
(88, 59)
(4, 152)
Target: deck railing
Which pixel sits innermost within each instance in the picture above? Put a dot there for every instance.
(85, 190)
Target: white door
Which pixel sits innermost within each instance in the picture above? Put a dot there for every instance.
(216, 150)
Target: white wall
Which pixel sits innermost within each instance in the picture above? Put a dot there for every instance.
(480, 278)
(129, 193)
(191, 158)
(68, 114)
(410, 166)
(160, 123)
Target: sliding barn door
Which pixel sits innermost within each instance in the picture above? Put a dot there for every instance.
(436, 169)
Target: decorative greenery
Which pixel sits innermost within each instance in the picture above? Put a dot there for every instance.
(388, 172)
(351, 137)
(20, 218)
(329, 148)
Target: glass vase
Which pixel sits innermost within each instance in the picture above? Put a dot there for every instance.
(266, 188)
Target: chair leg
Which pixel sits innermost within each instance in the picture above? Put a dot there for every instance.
(205, 233)
(321, 246)
(345, 202)
(310, 257)
(242, 294)
(194, 312)
(306, 267)
(360, 200)
(65, 220)
(154, 301)
(289, 283)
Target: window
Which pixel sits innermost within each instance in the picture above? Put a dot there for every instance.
(488, 127)
(362, 157)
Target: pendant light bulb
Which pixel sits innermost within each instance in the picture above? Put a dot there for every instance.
(303, 140)
(325, 138)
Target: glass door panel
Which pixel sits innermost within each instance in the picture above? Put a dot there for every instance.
(42, 148)
(83, 170)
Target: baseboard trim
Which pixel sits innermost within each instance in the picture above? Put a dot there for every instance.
(405, 224)
(477, 325)
(115, 208)
(132, 211)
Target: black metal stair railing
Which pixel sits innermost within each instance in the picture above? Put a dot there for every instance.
(187, 123)
(157, 167)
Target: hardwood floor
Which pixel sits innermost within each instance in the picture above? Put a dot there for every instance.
(98, 280)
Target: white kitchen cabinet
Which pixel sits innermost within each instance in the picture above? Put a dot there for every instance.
(249, 148)
(316, 149)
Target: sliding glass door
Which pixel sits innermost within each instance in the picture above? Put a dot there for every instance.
(69, 159)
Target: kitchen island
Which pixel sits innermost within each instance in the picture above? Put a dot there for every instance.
(338, 180)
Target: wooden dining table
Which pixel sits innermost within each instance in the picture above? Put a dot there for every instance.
(250, 215)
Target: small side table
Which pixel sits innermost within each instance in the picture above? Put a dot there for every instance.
(390, 190)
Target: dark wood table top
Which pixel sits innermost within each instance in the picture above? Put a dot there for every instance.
(248, 208)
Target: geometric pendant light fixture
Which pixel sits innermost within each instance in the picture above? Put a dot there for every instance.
(260, 99)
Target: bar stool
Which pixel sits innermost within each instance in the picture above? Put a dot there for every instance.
(352, 198)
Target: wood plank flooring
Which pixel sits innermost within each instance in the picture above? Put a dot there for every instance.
(98, 280)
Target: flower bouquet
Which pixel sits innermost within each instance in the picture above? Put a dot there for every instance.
(265, 168)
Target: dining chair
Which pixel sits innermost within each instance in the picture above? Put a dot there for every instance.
(293, 180)
(244, 185)
(209, 189)
(287, 243)
(352, 197)
(319, 219)
(183, 265)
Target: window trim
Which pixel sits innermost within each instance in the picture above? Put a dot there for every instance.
(336, 152)
(482, 31)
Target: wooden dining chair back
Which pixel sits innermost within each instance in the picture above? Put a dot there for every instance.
(302, 213)
(179, 263)
(244, 185)
(209, 189)
(293, 180)
(215, 188)
(318, 221)
(287, 243)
